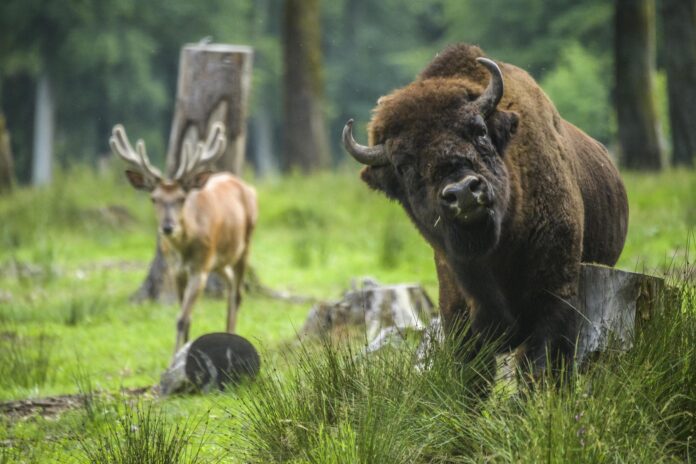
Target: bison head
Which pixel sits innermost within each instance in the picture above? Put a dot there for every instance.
(437, 147)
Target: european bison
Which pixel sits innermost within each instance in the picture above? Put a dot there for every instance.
(510, 196)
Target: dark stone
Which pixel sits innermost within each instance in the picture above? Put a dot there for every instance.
(217, 359)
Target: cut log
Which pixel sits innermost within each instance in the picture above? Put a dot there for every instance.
(213, 86)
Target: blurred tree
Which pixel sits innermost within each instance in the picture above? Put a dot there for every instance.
(6, 164)
(578, 88)
(679, 32)
(532, 34)
(634, 54)
(108, 60)
(370, 51)
(563, 44)
(304, 139)
(264, 123)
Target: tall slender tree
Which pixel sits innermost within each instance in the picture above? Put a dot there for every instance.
(679, 31)
(304, 141)
(634, 54)
(6, 165)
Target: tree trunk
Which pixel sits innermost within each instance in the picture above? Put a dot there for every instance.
(304, 140)
(634, 58)
(6, 164)
(214, 83)
(44, 124)
(679, 26)
(263, 149)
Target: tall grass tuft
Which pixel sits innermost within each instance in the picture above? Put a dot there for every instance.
(141, 434)
(339, 406)
(25, 361)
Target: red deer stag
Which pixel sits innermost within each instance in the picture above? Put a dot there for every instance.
(205, 220)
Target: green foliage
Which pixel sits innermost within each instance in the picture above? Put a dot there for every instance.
(579, 88)
(142, 434)
(66, 273)
(116, 61)
(109, 61)
(339, 406)
(26, 361)
(530, 33)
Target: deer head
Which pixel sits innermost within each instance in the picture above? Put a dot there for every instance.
(169, 194)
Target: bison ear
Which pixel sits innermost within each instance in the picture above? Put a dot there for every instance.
(383, 179)
(502, 125)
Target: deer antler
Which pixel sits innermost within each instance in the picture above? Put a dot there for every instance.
(204, 155)
(137, 158)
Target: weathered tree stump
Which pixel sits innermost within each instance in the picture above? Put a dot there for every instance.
(375, 307)
(610, 306)
(213, 86)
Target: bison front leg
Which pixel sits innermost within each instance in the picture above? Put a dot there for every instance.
(196, 283)
(469, 348)
(549, 350)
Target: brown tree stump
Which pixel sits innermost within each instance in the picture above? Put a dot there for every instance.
(213, 86)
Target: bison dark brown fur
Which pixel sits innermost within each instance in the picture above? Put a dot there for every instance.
(510, 196)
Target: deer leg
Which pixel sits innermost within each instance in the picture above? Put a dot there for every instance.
(232, 298)
(239, 270)
(181, 281)
(195, 284)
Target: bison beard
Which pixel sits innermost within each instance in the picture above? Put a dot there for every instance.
(510, 196)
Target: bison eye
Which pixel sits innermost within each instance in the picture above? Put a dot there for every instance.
(480, 131)
(477, 128)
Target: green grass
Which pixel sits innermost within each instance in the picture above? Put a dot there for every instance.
(72, 253)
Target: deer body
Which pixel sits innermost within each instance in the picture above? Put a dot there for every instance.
(205, 221)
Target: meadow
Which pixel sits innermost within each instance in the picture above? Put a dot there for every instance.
(71, 255)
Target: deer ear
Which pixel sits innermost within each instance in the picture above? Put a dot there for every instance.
(199, 180)
(138, 181)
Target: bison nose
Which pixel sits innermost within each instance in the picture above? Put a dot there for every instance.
(462, 195)
(167, 229)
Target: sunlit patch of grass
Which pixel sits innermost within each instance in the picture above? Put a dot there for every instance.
(314, 235)
(662, 217)
(337, 405)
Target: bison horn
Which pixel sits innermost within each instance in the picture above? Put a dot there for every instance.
(372, 156)
(490, 98)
